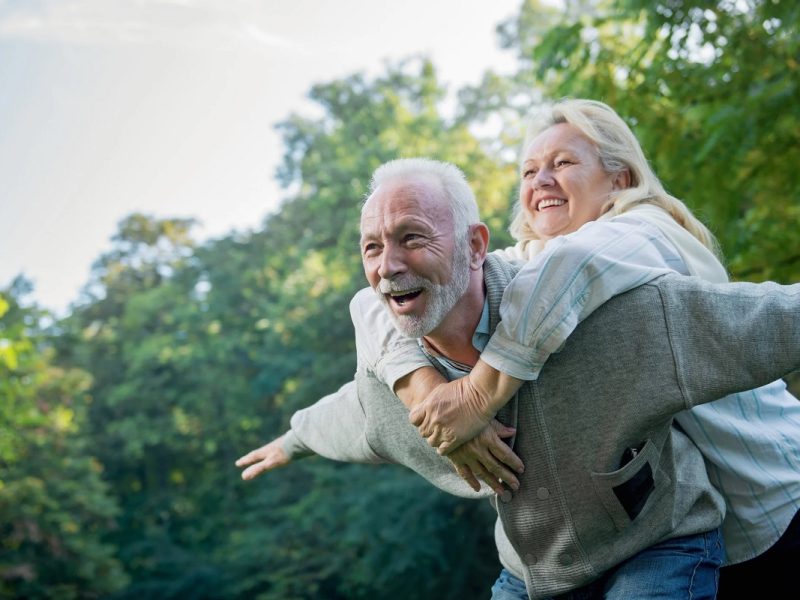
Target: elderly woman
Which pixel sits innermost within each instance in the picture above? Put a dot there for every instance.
(595, 221)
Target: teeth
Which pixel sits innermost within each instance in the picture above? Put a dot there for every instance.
(551, 202)
(405, 293)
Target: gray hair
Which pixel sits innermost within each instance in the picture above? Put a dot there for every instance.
(618, 149)
(450, 179)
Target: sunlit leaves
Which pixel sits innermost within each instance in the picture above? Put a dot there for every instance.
(54, 508)
(710, 88)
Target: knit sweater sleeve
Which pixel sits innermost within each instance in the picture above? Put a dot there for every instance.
(334, 427)
(729, 338)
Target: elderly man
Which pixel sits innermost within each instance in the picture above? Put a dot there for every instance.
(615, 501)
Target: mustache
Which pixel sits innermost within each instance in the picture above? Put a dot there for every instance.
(401, 284)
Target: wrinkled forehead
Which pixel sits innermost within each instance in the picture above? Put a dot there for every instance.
(557, 138)
(400, 200)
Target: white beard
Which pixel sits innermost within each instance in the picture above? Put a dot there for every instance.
(440, 298)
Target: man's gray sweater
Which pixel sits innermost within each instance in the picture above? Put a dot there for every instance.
(606, 473)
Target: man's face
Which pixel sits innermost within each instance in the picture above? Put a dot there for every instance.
(410, 254)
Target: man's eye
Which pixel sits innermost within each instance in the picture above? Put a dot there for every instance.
(369, 249)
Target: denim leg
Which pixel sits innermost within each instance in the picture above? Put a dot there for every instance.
(685, 568)
(509, 587)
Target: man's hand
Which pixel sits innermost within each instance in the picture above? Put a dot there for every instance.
(489, 458)
(268, 457)
(456, 412)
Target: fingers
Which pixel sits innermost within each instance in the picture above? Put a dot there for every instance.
(466, 474)
(439, 437)
(481, 464)
(273, 460)
(493, 482)
(253, 472)
(503, 431)
(269, 456)
(501, 450)
(258, 464)
(490, 459)
(497, 471)
(435, 435)
(250, 457)
(416, 416)
(426, 430)
(448, 442)
(507, 457)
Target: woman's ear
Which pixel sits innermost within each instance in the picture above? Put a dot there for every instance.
(622, 180)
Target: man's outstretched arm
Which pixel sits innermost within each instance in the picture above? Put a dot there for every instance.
(731, 337)
(334, 427)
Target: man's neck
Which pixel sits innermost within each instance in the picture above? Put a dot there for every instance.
(453, 337)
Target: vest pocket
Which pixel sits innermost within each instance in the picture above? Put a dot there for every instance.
(628, 492)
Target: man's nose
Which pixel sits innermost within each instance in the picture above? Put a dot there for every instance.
(392, 262)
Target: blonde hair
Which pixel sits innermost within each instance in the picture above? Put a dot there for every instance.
(618, 149)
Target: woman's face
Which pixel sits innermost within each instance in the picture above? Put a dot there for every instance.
(563, 184)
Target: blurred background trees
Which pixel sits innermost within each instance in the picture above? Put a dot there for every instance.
(119, 424)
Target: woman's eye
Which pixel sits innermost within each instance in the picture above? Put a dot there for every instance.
(563, 162)
(527, 173)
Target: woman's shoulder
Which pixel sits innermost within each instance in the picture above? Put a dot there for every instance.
(698, 259)
(646, 212)
(522, 251)
(650, 214)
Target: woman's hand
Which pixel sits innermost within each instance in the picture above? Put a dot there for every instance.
(488, 458)
(452, 414)
(455, 412)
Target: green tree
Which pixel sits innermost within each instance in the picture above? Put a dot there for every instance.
(712, 91)
(200, 353)
(310, 270)
(54, 506)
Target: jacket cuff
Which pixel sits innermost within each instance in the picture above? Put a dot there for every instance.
(294, 447)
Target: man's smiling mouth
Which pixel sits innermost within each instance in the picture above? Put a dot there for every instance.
(400, 298)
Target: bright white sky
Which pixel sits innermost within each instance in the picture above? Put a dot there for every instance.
(168, 106)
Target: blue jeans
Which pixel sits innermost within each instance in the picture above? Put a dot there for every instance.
(508, 587)
(680, 568)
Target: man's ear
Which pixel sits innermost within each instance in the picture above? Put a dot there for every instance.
(478, 245)
(622, 180)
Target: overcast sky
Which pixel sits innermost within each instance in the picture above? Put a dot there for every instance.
(168, 106)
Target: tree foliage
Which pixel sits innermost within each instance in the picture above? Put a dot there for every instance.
(55, 508)
(713, 93)
(120, 423)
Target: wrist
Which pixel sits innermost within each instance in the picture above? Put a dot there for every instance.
(412, 389)
(493, 388)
